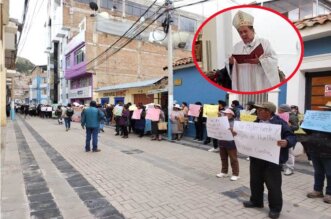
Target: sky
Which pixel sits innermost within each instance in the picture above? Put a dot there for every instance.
(33, 41)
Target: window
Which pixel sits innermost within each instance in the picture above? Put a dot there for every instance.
(187, 24)
(67, 61)
(79, 55)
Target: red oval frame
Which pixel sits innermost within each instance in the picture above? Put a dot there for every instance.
(247, 92)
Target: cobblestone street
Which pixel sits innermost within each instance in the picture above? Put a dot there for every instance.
(46, 173)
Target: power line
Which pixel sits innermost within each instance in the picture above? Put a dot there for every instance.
(30, 25)
(132, 29)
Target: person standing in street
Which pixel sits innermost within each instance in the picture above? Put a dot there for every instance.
(90, 119)
(264, 172)
(318, 144)
(293, 122)
(67, 116)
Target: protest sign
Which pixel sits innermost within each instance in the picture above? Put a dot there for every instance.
(284, 116)
(133, 107)
(210, 111)
(153, 114)
(137, 114)
(317, 120)
(258, 140)
(245, 117)
(219, 128)
(118, 110)
(194, 110)
(49, 109)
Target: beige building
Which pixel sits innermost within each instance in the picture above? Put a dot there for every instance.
(83, 35)
(8, 47)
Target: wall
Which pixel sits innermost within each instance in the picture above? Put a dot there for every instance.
(318, 46)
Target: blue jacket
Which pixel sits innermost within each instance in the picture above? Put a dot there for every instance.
(91, 117)
(287, 134)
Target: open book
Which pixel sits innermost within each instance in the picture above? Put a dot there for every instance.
(257, 52)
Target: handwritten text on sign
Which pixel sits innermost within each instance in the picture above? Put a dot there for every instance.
(219, 128)
(194, 110)
(137, 114)
(210, 111)
(317, 120)
(153, 114)
(258, 140)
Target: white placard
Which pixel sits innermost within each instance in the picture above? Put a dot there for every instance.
(49, 109)
(43, 108)
(258, 140)
(219, 128)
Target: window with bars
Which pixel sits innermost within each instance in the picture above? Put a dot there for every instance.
(257, 98)
(80, 55)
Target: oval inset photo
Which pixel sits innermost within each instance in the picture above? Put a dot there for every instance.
(247, 49)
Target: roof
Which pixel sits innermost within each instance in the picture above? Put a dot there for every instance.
(130, 85)
(310, 22)
(181, 62)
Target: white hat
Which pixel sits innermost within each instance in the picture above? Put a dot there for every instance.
(177, 106)
(242, 19)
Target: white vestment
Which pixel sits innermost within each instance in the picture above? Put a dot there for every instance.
(255, 77)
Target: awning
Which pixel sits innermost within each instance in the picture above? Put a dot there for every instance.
(130, 85)
(157, 91)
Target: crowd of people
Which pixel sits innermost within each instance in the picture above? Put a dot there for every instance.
(316, 143)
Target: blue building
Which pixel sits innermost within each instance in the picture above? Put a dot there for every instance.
(190, 87)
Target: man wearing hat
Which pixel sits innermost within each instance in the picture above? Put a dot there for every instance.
(262, 171)
(293, 122)
(253, 74)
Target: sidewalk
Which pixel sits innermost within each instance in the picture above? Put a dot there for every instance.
(129, 178)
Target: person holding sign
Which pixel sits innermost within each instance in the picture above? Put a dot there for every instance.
(156, 132)
(140, 123)
(254, 63)
(177, 122)
(318, 144)
(264, 172)
(228, 150)
(293, 122)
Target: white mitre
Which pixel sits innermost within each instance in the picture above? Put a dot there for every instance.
(242, 19)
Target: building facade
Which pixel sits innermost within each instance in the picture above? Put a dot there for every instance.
(38, 87)
(78, 35)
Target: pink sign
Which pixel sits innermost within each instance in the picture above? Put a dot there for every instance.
(284, 116)
(153, 114)
(137, 114)
(194, 110)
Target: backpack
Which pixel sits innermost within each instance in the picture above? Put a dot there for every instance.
(69, 112)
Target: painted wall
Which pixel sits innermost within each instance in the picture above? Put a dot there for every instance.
(317, 54)
(195, 88)
(282, 95)
(318, 46)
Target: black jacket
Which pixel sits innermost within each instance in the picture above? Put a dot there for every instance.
(287, 134)
(318, 143)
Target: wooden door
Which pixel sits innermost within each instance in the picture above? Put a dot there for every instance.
(316, 90)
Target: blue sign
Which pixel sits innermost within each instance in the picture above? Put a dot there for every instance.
(317, 120)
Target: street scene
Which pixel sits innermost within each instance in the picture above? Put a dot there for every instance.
(165, 109)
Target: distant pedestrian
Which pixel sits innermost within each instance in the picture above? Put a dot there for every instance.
(90, 119)
(293, 123)
(140, 123)
(198, 123)
(26, 111)
(67, 116)
(58, 114)
(124, 121)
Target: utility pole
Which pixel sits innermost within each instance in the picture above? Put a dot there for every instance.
(169, 5)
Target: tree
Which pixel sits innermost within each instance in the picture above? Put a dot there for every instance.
(24, 65)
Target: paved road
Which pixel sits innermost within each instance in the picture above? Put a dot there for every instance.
(47, 174)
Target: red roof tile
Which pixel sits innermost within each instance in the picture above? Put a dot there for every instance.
(310, 22)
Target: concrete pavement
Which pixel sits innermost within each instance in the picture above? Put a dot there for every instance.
(47, 174)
